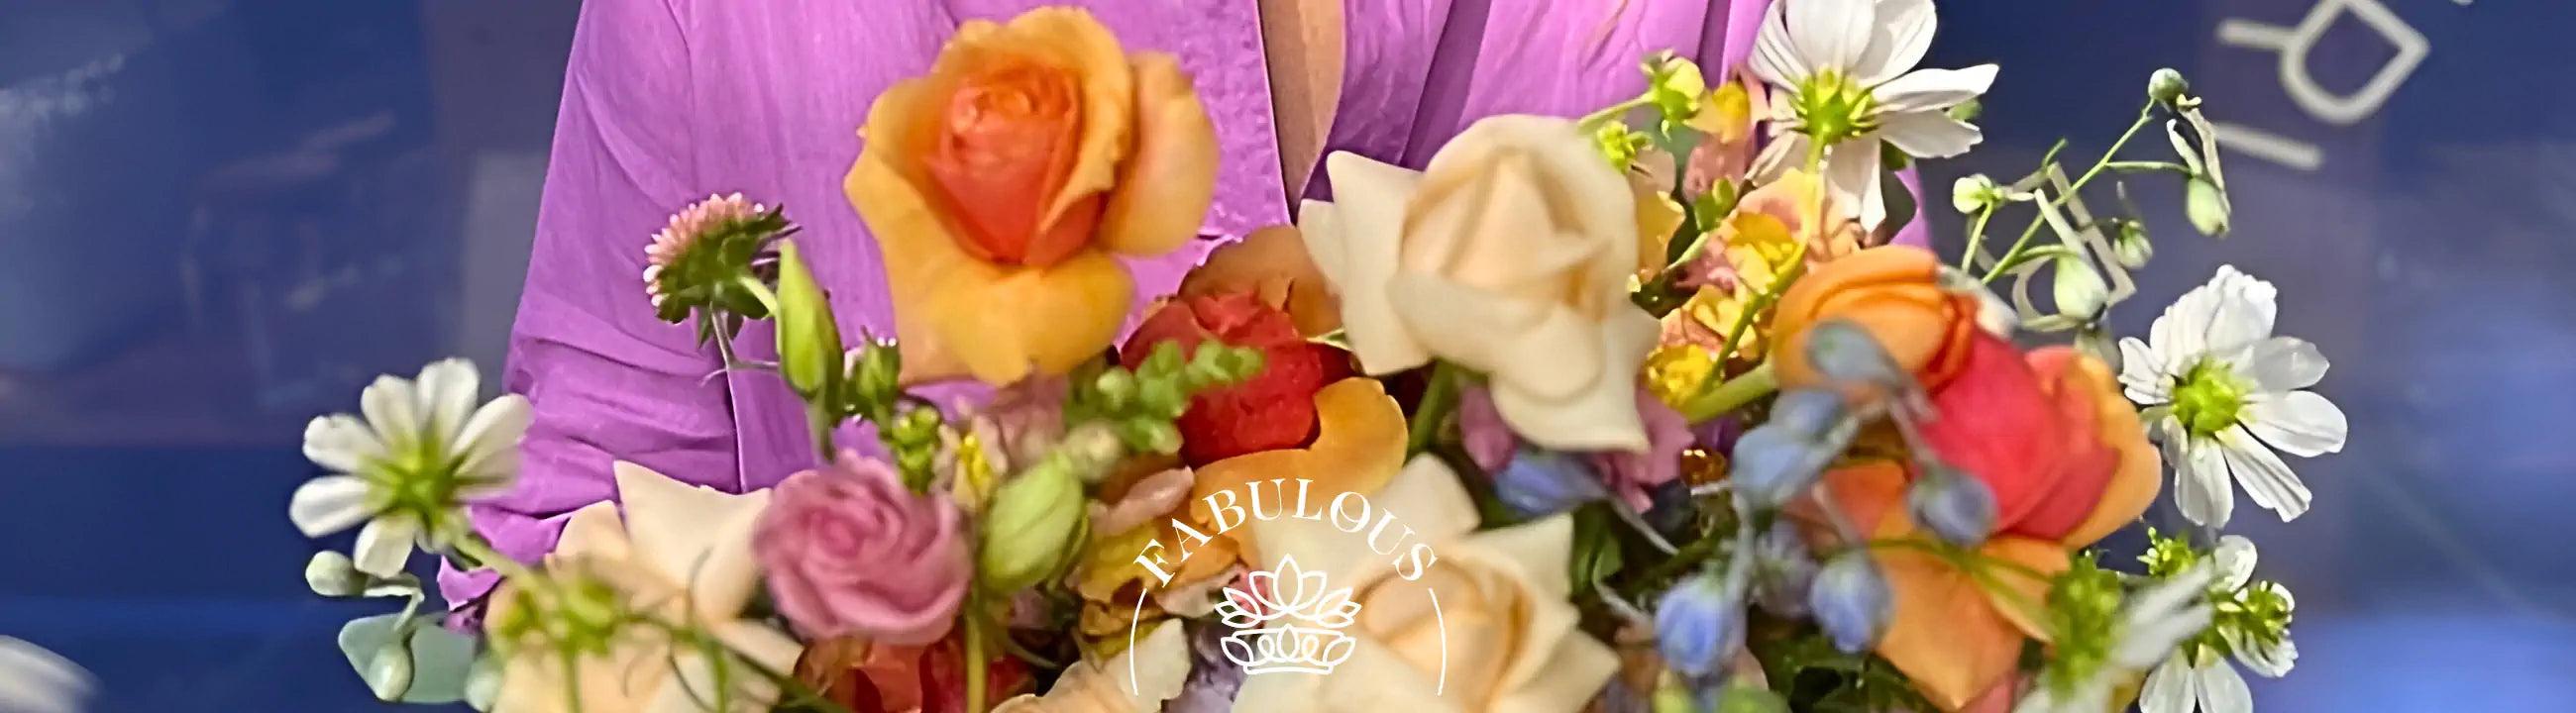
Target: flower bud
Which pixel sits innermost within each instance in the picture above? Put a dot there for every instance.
(389, 671)
(809, 341)
(1843, 352)
(2167, 86)
(1771, 465)
(1699, 625)
(2207, 207)
(1741, 698)
(1851, 601)
(874, 372)
(1815, 415)
(1782, 570)
(1537, 483)
(2080, 291)
(1029, 527)
(332, 574)
(2130, 245)
(483, 683)
(1973, 193)
(1958, 508)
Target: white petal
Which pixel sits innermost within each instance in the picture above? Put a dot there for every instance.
(1778, 157)
(2234, 557)
(699, 536)
(1851, 177)
(2177, 333)
(2222, 690)
(392, 411)
(1775, 60)
(2147, 641)
(1897, 42)
(1831, 33)
(341, 442)
(384, 545)
(2169, 688)
(328, 504)
(2284, 364)
(2142, 373)
(2265, 661)
(36, 680)
(2244, 311)
(2200, 478)
(2301, 422)
(446, 389)
(1929, 134)
(2267, 480)
(1369, 213)
(1933, 89)
(492, 436)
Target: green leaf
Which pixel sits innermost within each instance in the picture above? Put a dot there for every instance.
(440, 658)
(1748, 699)
(1596, 547)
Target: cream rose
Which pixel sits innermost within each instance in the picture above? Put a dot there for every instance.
(1510, 256)
(1506, 636)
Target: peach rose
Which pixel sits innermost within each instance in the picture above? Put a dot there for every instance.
(1000, 184)
(1510, 256)
(1896, 293)
(2049, 433)
(1506, 635)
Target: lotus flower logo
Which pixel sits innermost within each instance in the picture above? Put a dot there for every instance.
(1290, 620)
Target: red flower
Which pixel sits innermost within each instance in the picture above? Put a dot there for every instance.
(880, 678)
(1276, 409)
(2031, 429)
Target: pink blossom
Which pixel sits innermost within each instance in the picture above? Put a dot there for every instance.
(850, 551)
(1634, 476)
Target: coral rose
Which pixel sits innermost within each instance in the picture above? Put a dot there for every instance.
(1000, 184)
(1510, 256)
(851, 551)
(1896, 293)
(1271, 264)
(1275, 409)
(2068, 463)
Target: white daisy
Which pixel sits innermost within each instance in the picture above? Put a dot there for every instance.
(2254, 626)
(2153, 622)
(422, 449)
(1843, 67)
(35, 680)
(2224, 393)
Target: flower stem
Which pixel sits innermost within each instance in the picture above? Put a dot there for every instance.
(1732, 394)
(2013, 254)
(1593, 120)
(1976, 236)
(975, 664)
(1439, 401)
(758, 290)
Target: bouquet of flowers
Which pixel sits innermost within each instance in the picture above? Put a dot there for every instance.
(1636, 411)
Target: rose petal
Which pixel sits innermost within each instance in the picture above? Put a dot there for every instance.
(1163, 190)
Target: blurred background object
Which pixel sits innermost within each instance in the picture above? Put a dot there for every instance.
(219, 218)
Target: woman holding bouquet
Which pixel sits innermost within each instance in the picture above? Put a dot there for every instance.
(666, 100)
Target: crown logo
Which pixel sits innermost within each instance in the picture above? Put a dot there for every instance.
(1289, 620)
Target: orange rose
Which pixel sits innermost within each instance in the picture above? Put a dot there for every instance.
(2049, 433)
(1271, 264)
(1895, 293)
(1000, 184)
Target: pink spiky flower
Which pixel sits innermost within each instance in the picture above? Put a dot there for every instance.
(698, 262)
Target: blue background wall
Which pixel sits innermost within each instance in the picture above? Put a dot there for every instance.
(220, 217)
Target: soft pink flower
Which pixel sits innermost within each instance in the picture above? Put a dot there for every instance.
(850, 551)
(1634, 476)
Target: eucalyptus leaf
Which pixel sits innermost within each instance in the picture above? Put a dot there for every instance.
(437, 659)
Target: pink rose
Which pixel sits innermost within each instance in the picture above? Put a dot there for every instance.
(850, 551)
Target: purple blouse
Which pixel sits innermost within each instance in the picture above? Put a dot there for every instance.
(667, 101)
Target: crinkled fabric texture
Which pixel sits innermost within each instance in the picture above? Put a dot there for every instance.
(666, 101)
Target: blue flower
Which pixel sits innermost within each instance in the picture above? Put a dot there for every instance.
(1851, 601)
(1957, 508)
(1539, 483)
(1699, 624)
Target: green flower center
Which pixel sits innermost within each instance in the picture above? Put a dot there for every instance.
(2084, 618)
(1832, 106)
(2209, 398)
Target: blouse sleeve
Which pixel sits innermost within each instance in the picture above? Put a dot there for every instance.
(606, 380)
